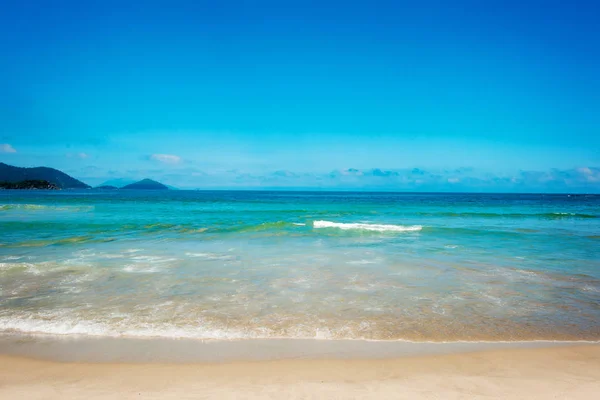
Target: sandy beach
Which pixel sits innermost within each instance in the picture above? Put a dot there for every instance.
(571, 372)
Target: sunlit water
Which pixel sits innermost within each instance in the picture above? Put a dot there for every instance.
(440, 267)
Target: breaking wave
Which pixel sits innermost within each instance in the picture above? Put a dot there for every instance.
(366, 227)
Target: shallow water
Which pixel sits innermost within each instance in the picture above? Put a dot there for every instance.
(195, 264)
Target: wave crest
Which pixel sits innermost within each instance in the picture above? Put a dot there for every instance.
(366, 227)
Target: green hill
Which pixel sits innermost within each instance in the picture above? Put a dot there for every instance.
(11, 174)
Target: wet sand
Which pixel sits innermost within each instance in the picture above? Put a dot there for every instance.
(92, 349)
(571, 372)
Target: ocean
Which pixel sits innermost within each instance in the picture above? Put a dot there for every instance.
(433, 267)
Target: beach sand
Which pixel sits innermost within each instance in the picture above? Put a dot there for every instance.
(571, 372)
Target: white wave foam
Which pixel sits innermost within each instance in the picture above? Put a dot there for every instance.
(29, 267)
(132, 250)
(141, 268)
(11, 258)
(589, 288)
(210, 256)
(57, 324)
(158, 259)
(363, 262)
(111, 256)
(298, 224)
(367, 227)
(60, 326)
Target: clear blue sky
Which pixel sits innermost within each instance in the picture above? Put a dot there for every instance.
(477, 95)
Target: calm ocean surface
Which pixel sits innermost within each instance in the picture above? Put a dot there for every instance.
(195, 264)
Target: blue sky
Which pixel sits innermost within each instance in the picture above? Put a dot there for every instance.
(473, 95)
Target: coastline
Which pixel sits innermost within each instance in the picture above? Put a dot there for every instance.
(561, 371)
(96, 349)
(105, 312)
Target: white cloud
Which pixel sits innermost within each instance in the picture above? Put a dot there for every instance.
(166, 158)
(585, 170)
(589, 174)
(82, 155)
(453, 180)
(7, 148)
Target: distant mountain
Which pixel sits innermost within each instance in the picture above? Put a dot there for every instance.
(118, 183)
(11, 174)
(106, 187)
(146, 184)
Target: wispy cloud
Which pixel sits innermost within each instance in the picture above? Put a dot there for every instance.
(166, 158)
(575, 180)
(583, 179)
(82, 156)
(7, 148)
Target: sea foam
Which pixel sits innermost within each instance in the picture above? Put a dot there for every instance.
(367, 227)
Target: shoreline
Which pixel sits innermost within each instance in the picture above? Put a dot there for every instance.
(93, 349)
(570, 372)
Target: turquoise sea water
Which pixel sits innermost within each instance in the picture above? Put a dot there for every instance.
(196, 264)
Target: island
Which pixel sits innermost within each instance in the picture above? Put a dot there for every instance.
(146, 184)
(118, 182)
(29, 185)
(106, 187)
(12, 177)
